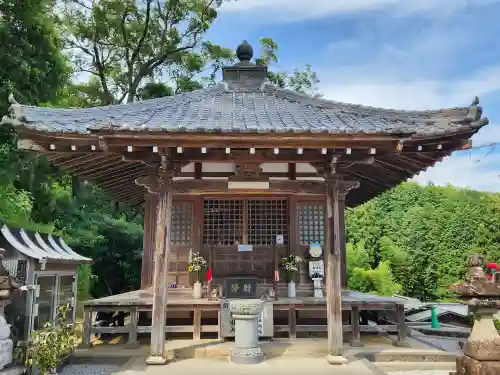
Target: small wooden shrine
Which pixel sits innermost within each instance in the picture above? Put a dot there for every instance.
(240, 163)
(47, 268)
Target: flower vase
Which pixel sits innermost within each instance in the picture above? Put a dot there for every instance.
(197, 290)
(291, 289)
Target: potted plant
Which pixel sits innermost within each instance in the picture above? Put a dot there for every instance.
(197, 267)
(51, 345)
(290, 264)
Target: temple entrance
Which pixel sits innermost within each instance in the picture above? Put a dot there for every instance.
(239, 235)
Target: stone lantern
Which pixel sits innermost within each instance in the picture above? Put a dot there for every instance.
(482, 295)
(7, 286)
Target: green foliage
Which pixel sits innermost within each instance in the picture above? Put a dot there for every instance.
(378, 281)
(51, 344)
(304, 81)
(31, 64)
(425, 234)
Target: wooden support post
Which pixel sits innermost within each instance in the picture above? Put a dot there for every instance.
(197, 323)
(342, 238)
(161, 185)
(356, 329)
(275, 272)
(292, 322)
(132, 333)
(211, 267)
(336, 189)
(87, 328)
(150, 206)
(401, 319)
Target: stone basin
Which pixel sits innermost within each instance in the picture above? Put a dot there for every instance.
(246, 306)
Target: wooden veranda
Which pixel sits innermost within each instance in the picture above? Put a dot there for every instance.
(198, 316)
(240, 163)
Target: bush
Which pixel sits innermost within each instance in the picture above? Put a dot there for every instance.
(50, 345)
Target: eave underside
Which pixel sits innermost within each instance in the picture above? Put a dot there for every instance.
(115, 165)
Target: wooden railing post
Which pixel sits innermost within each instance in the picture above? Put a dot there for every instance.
(132, 333)
(87, 327)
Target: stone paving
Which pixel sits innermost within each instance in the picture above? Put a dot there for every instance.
(420, 372)
(277, 366)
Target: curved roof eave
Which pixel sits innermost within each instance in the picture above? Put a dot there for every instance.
(33, 246)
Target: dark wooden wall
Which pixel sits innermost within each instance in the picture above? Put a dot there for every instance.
(226, 260)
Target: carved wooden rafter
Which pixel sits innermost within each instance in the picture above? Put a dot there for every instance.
(160, 180)
(248, 172)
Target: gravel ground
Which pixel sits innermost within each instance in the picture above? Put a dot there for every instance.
(90, 370)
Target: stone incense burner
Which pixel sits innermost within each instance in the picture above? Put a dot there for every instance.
(482, 350)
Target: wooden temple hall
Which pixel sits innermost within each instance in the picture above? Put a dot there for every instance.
(244, 165)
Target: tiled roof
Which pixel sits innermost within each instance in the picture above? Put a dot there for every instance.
(248, 109)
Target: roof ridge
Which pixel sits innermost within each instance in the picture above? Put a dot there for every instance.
(302, 98)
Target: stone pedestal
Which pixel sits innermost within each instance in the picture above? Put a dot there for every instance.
(246, 314)
(6, 344)
(482, 350)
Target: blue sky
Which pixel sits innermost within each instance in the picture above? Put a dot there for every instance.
(404, 54)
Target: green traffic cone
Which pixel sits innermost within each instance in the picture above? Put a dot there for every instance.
(434, 318)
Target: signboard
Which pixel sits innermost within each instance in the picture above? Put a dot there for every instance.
(279, 239)
(240, 287)
(245, 247)
(265, 322)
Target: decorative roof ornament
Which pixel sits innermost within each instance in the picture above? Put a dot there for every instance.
(244, 75)
(12, 99)
(475, 110)
(244, 52)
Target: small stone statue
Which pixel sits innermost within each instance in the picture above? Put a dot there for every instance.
(268, 295)
(7, 286)
(476, 267)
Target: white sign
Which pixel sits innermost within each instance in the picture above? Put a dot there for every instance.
(245, 247)
(279, 239)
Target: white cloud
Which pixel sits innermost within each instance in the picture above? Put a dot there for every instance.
(295, 10)
(422, 72)
(466, 171)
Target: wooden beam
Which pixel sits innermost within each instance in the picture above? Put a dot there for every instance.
(220, 186)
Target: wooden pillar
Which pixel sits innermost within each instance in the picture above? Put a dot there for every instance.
(149, 240)
(161, 185)
(343, 247)
(336, 189)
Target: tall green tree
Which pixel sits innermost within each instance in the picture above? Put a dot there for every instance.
(32, 66)
(125, 44)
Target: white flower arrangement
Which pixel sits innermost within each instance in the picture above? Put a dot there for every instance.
(290, 264)
(197, 265)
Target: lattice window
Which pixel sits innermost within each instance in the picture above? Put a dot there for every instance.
(182, 223)
(311, 223)
(266, 219)
(16, 269)
(223, 222)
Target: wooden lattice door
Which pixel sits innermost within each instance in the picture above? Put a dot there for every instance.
(181, 241)
(231, 222)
